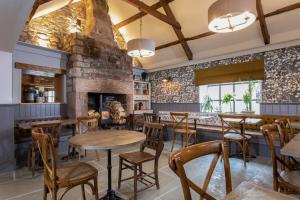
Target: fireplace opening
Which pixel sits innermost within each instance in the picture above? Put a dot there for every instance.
(111, 107)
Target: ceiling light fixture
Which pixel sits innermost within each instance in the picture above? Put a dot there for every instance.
(141, 47)
(226, 16)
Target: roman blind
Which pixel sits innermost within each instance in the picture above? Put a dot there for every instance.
(252, 70)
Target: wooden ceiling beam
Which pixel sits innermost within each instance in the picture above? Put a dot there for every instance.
(177, 31)
(262, 22)
(138, 15)
(283, 10)
(202, 35)
(147, 9)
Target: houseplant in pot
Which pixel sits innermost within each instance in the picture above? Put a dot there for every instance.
(228, 99)
(207, 104)
(247, 99)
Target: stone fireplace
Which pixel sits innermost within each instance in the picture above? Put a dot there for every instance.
(96, 64)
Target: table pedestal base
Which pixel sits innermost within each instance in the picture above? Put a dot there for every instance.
(111, 196)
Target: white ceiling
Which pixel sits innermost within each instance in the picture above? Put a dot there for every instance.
(13, 15)
(192, 15)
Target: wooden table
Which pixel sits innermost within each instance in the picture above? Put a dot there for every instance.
(64, 122)
(107, 140)
(247, 190)
(292, 148)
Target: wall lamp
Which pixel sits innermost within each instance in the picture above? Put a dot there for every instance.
(167, 79)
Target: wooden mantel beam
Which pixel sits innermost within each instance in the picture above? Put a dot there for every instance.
(147, 9)
(262, 22)
(138, 15)
(202, 35)
(178, 32)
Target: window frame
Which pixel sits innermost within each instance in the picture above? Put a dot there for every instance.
(233, 84)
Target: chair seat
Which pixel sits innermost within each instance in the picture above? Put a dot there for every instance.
(292, 177)
(235, 136)
(74, 174)
(137, 157)
(183, 131)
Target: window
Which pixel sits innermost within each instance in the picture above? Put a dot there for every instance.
(50, 95)
(238, 90)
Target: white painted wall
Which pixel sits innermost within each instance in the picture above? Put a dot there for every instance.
(35, 55)
(6, 63)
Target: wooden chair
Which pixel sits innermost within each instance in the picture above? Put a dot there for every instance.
(181, 127)
(135, 160)
(85, 124)
(150, 117)
(65, 177)
(179, 159)
(285, 127)
(287, 180)
(54, 129)
(232, 133)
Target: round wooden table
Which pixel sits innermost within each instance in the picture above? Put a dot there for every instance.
(107, 140)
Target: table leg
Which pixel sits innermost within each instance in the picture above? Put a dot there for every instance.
(73, 153)
(111, 195)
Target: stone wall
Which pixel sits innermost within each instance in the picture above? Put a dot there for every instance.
(50, 30)
(281, 84)
(95, 67)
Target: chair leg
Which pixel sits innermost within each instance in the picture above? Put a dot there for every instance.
(54, 194)
(45, 192)
(29, 159)
(83, 192)
(141, 169)
(97, 155)
(96, 188)
(69, 151)
(174, 137)
(135, 182)
(156, 174)
(120, 172)
(32, 162)
(181, 141)
(244, 152)
(187, 138)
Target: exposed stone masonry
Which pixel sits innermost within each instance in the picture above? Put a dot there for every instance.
(97, 62)
(281, 84)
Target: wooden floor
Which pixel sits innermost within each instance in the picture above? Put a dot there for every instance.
(258, 170)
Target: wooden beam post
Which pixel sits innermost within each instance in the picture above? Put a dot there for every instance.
(147, 9)
(138, 15)
(262, 22)
(178, 32)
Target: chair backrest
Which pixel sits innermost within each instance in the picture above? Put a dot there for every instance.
(46, 147)
(232, 126)
(180, 120)
(87, 123)
(150, 117)
(53, 128)
(154, 138)
(271, 134)
(285, 129)
(179, 159)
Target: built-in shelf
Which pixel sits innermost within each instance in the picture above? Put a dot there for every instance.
(142, 97)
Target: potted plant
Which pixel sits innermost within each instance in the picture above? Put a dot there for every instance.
(228, 99)
(40, 97)
(247, 98)
(207, 104)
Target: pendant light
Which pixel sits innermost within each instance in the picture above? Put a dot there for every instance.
(141, 47)
(226, 16)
